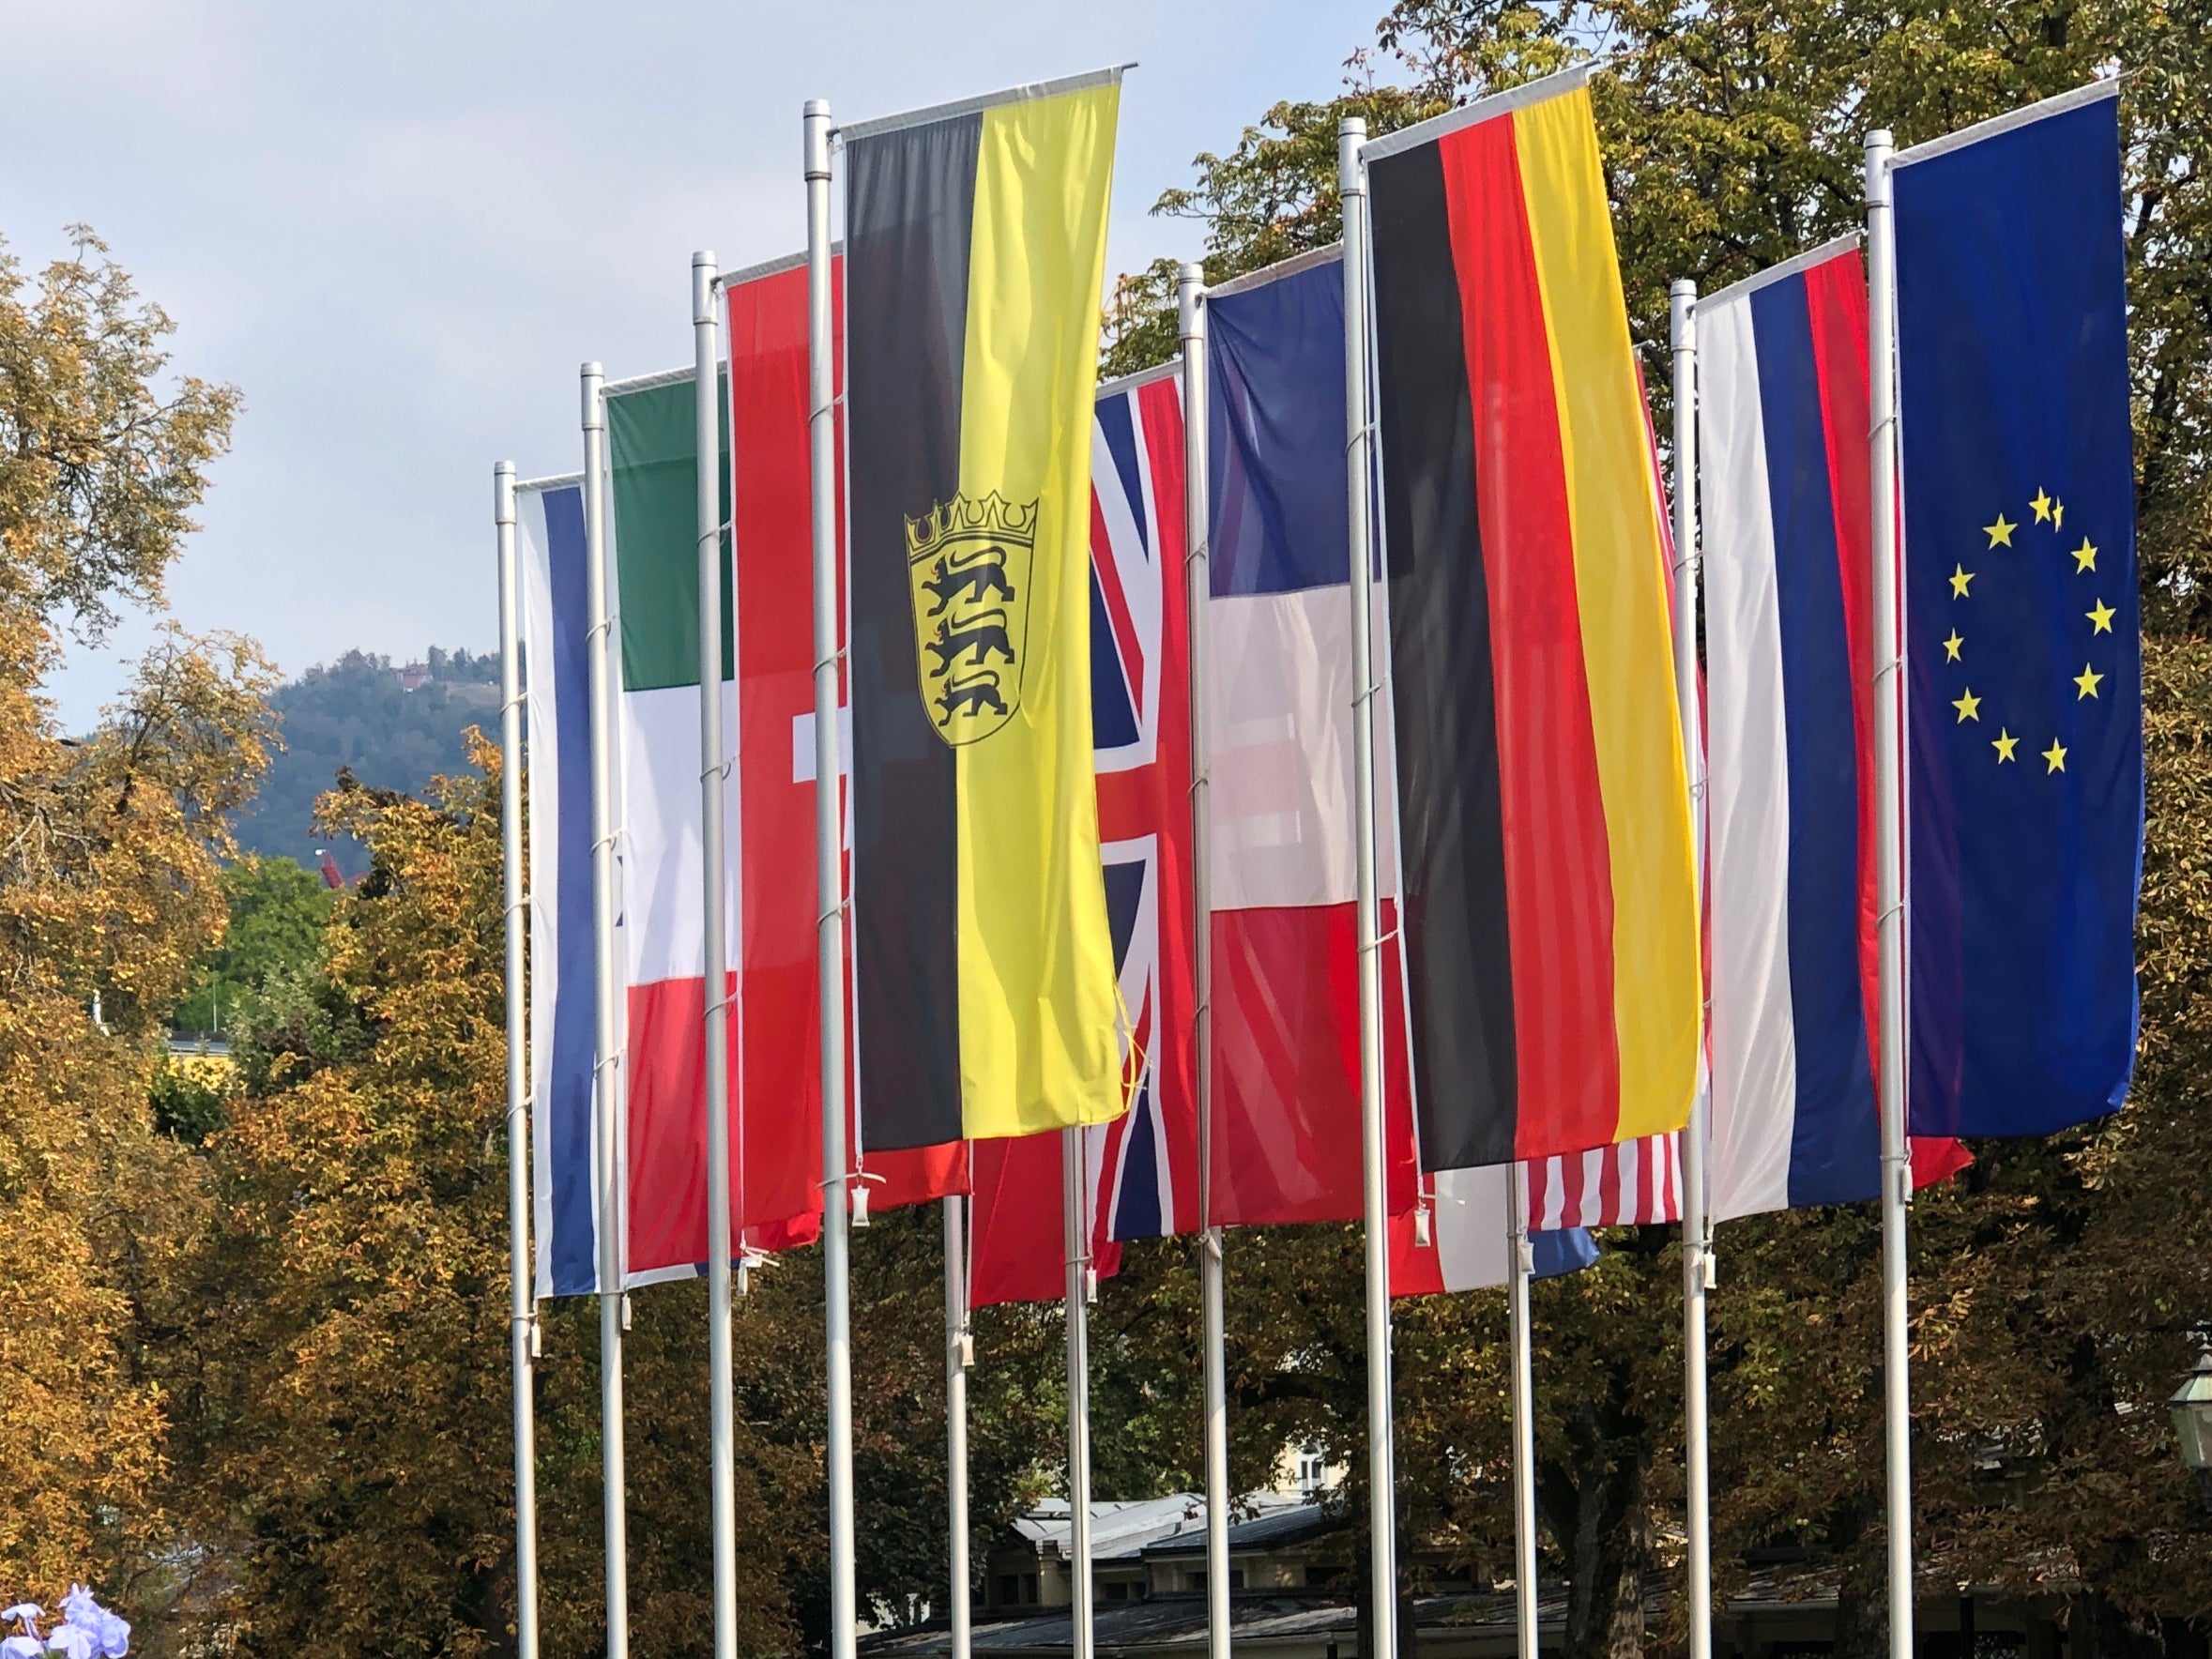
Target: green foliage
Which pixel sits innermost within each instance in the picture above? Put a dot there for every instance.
(277, 913)
(190, 1102)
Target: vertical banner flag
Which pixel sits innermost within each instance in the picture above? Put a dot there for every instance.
(654, 551)
(1141, 1169)
(1782, 419)
(1140, 714)
(2024, 702)
(1286, 1088)
(985, 994)
(555, 626)
(775, 1049)
(1551, 924)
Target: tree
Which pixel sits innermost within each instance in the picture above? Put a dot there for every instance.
(101, 464)
(277, 910)
(111, 848)
(346, 1404)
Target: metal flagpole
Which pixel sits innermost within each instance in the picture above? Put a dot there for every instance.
(1697, 1227)
(1351, 183)
(713, 778)
(522, 1322)
(1518, 1265)
(959, 1355)
(830, 880)
(606, 984)
(1078, 1239)
(1897, 1173)
(1190, 289)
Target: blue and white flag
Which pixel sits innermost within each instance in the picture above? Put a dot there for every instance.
(2025, 691)
(555, 626)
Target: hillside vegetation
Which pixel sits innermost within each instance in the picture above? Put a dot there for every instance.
(391, 727)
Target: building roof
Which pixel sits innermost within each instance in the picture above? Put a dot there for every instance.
(1276, 1524)
(1170, 1526)
(1119, 1531)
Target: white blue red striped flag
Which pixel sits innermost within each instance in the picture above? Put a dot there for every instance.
(1782, 420)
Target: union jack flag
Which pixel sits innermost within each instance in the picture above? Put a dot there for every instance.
(1143, 1166)
(1140, 1171)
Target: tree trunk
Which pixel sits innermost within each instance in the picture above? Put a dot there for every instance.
(1862, 1625)
(1593, 1503)
(1862, 1590)
(2099, 1629)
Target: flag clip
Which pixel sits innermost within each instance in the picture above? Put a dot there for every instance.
(860, 1204)
(1424, 1227)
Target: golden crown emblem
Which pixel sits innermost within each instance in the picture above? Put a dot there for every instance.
(992, 517)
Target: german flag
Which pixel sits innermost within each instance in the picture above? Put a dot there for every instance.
(985, 1001)
(1550, 911)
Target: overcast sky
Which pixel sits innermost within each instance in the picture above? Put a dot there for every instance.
(398, 227)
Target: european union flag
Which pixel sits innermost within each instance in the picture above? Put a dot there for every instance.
(2026, 703)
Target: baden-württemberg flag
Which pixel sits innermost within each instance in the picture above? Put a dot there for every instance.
(985, 1001)
(2026, 697)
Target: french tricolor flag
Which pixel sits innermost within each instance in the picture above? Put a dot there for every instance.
(1782, 424)
(1278, 697)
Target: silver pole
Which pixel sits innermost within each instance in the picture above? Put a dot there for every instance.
(1076, 1237)
(1518, 1266)
(1190, 292)
(1696, 1227)
(830, 881)
(607, 986)
(1897, 1173)
(1351, 183)
(958, 1356)
(522, 1322)
(713, 776)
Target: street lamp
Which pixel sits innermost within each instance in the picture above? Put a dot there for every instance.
(2192, 1406)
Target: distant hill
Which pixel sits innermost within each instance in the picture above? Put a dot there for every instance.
(397, 727)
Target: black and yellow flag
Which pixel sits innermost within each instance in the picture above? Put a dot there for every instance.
(975, 250)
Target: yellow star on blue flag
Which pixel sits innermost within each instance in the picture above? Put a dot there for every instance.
(2025, 845)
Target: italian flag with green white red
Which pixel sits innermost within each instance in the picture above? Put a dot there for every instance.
(660, 925)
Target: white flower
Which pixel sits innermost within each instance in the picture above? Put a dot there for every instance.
(22, 1647)
(27, 1613)
(74, 1640)
(110, 1632)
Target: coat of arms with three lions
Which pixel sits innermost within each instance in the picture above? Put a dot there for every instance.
(967, 563)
